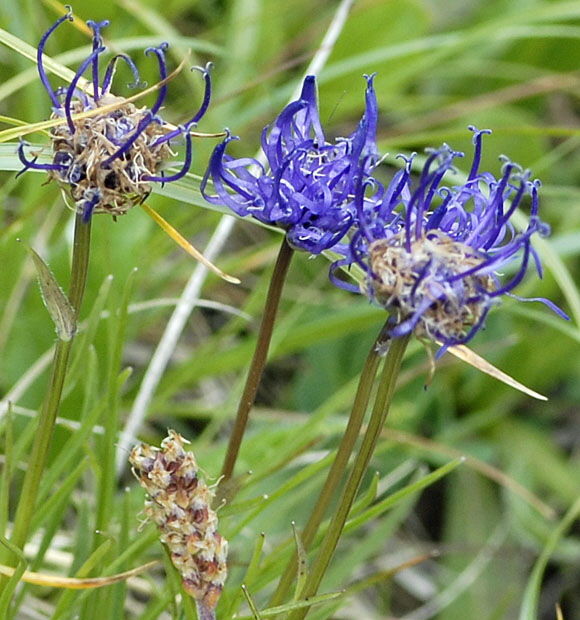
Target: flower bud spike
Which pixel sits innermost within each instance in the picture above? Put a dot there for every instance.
(179, 502)
(40, 51)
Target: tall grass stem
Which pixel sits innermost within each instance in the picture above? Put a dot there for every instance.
(338, 468)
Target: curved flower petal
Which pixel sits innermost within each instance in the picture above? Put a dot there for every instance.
(309, 188)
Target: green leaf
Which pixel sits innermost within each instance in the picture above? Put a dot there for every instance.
(55, 300)
(302, 568)
(529, 610)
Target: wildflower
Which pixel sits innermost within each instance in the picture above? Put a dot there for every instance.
(180, 504)
(107, 160)
(308, 187)
(432, 255)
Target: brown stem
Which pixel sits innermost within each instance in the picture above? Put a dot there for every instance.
(259, 360)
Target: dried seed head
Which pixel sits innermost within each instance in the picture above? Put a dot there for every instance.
(180, 504)
(403, 281)
(88, 166)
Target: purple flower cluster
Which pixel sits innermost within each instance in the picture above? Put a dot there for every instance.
(307, 188)
(106, 159)
(431, 254)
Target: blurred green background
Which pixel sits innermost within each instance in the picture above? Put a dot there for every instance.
(509, 65)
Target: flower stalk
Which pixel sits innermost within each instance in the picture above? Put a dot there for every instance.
(42, 438)
(383, 399)
(258, 362)
(339, 465)
(306, 187)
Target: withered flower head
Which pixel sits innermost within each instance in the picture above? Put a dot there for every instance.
(107, 159)
(180, 504)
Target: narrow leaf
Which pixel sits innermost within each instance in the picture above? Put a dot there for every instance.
(302, 564)
(183, 243)
(15, 575)
(251, 604)
(72, 583)
(467, 355)
(530, 603)
(55, 300)
(310, 602)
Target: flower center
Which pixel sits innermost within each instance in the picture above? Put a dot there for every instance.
(120, 183)
(426, 286)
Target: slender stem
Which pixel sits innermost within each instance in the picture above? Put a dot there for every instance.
(204, 613)
(338, 467)
(381, 407)
(80, 262)
(40, 447)
(259, 360)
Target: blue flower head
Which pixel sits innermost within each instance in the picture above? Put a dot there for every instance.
(107, 160)
(307, 187)
(432, 255)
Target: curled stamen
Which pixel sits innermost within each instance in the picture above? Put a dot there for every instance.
(186, 163)
(110, 72)
(30, 164)
(159, 52)
(477, 141)
(206, 96)
(151, 114)
(97, 43)
(41, 72)
(199, 114)
(71, 89)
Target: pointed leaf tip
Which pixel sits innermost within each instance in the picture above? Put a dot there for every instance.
(467, 355)
(184, 243)
(55, 300)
